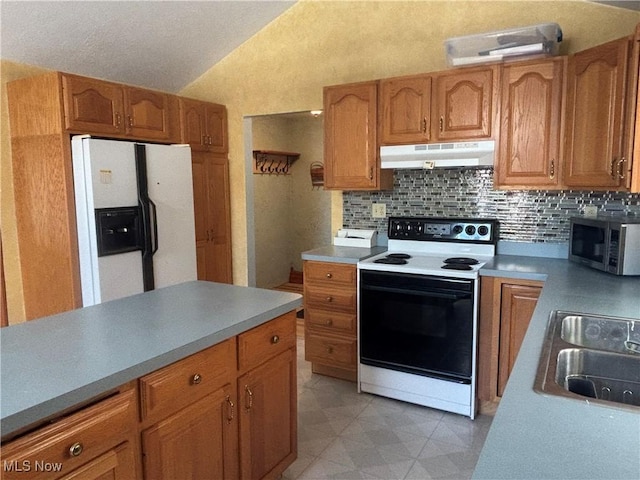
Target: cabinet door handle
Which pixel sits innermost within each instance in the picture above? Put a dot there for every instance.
(248, 398)
(621, 168)
(130, 119)
(275, 339)
(118, 120)
(210, 140)
(441, 124)
(424, 125)
(76, 449)
(371, 173)
(230, 406)
(196, 379)
(552, 168)
(613, 167)
(204, 139)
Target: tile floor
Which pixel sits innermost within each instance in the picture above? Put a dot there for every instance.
(346, 435)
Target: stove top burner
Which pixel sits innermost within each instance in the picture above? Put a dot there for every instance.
(456, 266)
(399, 255)
(461, 261)
(391, 260)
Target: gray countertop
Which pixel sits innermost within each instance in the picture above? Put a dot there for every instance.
(331, 253)
(53, 363)
(535, 436)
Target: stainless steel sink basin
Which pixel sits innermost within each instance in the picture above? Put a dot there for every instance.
(605, 333)
(591, 358)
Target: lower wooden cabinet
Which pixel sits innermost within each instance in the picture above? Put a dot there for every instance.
(98, 441)
(267, 411)
(506, 308)
(227, 412)
(197, 442)
(330, 305)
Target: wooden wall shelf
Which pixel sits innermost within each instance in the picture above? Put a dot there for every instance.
(272, 162)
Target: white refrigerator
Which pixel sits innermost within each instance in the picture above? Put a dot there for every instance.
(134, 213)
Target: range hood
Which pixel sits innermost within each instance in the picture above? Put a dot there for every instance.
(438, 155)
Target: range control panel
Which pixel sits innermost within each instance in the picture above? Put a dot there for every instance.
(471, 230)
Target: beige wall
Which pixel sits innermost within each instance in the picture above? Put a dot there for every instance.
(315, 43)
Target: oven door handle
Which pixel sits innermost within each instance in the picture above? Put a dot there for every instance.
(406, 291)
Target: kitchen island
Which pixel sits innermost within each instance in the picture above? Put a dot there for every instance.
(150, 341)
(536, 436)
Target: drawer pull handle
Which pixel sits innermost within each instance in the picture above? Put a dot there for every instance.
(329, 322)
(329, 299)
(329, 275)
(75, 449)
(275, 339)
(249, 398)
(197, 378)
(329, 350)
(230, 406)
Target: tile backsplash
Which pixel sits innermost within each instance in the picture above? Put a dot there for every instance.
(523, 215)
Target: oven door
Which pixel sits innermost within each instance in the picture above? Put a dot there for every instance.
(417, 324)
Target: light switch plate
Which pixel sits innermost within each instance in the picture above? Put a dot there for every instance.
(379, 210)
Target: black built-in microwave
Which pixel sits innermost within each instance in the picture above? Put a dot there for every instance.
(607, 243)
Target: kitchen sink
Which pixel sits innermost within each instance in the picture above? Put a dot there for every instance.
(593, 358)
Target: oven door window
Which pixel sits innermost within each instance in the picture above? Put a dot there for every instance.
(417, 324)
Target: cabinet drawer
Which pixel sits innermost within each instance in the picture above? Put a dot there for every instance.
(330, 273)
(340, 299)
(330, 350)
(266, 341)
(331, 321)
(177, 385)
(71, 441)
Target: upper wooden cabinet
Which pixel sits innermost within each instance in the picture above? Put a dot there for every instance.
(98, 107)
(212, 216)
(445, 106)
(529, 153)
(465, 104)
(204, 125)
(597, 83)
(405, 110)
(350, 143)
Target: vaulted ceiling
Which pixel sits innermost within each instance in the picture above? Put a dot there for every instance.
(156, 44)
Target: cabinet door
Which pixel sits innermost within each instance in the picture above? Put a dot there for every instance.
(193, 123)
(531, 111)
(149, 113)
(517, 305)
(92, 106)
(405, 105)
(212, 216)
(350, 144)
(216, 128)
(595, 100)
(268, 417)
(464, 104)
(199, 441)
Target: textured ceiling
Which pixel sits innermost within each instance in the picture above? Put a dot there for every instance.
(163, 45)
(156, 44)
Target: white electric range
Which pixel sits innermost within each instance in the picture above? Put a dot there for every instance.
(418, 311)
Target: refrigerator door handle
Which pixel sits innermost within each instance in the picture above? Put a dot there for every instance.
(154, 226)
